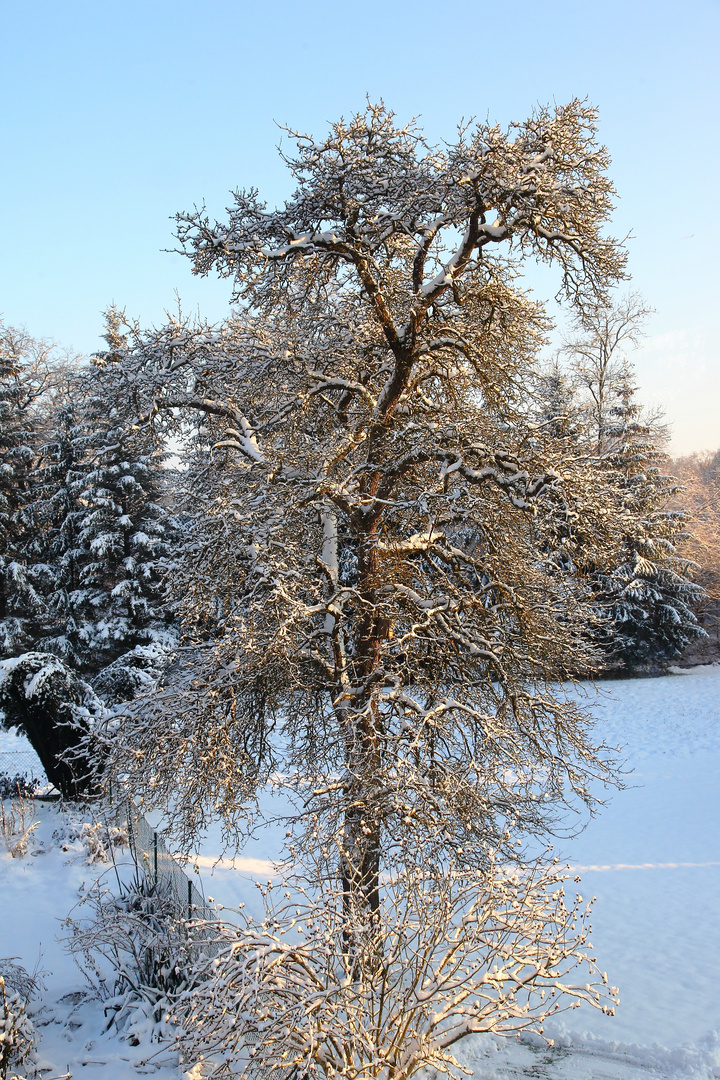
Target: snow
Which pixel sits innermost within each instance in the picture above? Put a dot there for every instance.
(38, 892)
(651, 856)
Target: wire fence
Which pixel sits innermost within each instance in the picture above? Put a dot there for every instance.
(152, 857)
(20, 771)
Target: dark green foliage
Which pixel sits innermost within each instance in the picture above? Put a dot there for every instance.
(55, 709)
(648, 596)
(23, 380)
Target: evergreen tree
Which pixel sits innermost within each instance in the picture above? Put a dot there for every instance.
(60, 481)
(84, 540)
(647, 596)
(118, 542)
(644, 594)
(123, 534)
(27, 368)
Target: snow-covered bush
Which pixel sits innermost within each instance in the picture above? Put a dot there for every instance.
(134, 949)
(18, 980)
(56, 709)
(316, 988)
(95, 839)
(17, 1034)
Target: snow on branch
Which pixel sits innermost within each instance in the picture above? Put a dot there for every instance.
(485, 951)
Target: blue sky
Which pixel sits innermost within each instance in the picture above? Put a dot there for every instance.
(116, 115)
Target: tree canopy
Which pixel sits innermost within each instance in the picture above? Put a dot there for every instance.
(367, 584)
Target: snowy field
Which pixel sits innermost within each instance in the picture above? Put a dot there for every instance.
(651, 857)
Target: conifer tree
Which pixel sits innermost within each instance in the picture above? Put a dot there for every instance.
(124, 536)
(644, 593)
(647, 596)
(60, 475)
(27, 369)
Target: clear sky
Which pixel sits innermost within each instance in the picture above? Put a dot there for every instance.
(117, 114)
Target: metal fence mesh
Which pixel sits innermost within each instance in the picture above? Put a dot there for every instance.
(20, 769)
(152, 856)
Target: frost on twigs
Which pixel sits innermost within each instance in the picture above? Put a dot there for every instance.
(384, 581)
(385, 555)
(447, 955)
(16, 823)
(17, 1034)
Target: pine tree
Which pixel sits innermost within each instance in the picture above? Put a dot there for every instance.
(60, 481)
(118, 542)
(648, 596)
(27, 368)
(123, 533)
(84, 540)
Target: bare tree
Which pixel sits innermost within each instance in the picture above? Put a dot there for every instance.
(376, 616)
(597, 351)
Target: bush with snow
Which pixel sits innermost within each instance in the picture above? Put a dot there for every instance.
(332, 992)
(135, 950)
(17, 1034)
(17, 825)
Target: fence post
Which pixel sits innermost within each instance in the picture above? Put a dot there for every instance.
(155, 856)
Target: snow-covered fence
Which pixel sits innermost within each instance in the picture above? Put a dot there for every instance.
(152, 856)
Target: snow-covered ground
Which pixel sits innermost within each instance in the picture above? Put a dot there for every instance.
(651, 857)
(37, 894)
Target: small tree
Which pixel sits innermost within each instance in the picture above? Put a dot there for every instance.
(374, 620)
(56, 710)
(491, 952)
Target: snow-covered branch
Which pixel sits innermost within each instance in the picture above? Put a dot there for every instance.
(489, 951)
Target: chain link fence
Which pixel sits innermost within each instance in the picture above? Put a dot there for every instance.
(20, 772)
